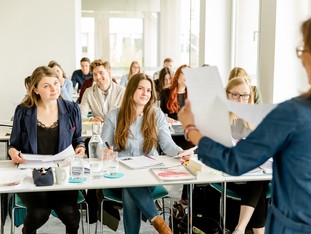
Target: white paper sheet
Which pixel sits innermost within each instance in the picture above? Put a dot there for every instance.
(208, 102)
(254, 114)
(211, 107)
(66, 153)
(46, 161)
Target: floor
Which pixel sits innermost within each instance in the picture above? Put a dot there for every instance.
(54, 225)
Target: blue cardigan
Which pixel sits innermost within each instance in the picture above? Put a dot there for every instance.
(24, 131)
(285, 135)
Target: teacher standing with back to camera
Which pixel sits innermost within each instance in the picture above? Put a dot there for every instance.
(285, 135)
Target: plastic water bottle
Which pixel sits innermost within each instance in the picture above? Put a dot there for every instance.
(96, 152)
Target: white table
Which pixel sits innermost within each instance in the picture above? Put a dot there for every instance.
(131, 178)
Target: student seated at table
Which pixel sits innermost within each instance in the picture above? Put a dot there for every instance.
(136, 128)
(253, 194)
(44, 123)
(102, 96)
(172, 99)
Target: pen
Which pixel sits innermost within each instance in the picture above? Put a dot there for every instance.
(106, 143)
(150, 157)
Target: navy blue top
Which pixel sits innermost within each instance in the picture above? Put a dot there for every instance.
(79, 77)
(24, 136)
(284, 134)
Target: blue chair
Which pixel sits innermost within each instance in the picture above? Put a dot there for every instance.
(18, 205)
(160, 192)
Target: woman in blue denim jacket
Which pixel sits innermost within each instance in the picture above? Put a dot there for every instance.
(285, 135)
(136, 128)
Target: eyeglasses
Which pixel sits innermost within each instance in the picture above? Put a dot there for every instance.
(237, 96)
(300, 50)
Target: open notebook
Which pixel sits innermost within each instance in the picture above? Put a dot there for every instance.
(139, 162)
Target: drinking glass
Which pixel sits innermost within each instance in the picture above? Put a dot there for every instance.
(111, 162)
(77, 170)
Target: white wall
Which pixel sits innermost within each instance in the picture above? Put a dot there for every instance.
(281, 73)
(33, 32)
(217, 35)
(289, 78)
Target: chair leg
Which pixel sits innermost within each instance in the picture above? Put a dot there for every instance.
(81, 218)
(87, 217)
(102, 216)
(12, 221)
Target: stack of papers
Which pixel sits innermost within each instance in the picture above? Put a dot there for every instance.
(11, 176)
(179, 172)
(177, 127)
(139, 162)
(46, 161)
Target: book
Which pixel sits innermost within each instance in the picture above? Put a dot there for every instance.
(139, 162)
(179, 172)
(196, 164)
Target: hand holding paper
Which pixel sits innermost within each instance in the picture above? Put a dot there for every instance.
(186, 152)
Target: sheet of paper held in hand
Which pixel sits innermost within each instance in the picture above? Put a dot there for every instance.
(186, 152)
(211, 107)
(37, 161)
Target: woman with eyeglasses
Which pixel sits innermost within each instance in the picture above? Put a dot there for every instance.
(240, 72)
(285, 135)
(253, 194)
(134, 69)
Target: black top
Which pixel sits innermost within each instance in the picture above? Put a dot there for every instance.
(181, 97)
(179, 140)
(47, 139)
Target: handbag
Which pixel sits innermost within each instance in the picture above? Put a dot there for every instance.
(178, 219)
(43, 177)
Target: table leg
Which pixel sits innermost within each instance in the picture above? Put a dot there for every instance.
(1, 228)
(224, 204)
(190, 190)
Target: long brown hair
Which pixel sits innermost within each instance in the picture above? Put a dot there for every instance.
(32, 99)
(164, 71)
(127, 116)
(172, 103)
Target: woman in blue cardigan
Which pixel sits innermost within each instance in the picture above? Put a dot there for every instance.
(285, 135)
(46, 124)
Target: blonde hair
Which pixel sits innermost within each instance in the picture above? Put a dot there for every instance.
(127, 116)
(236, 81)
(237, 72)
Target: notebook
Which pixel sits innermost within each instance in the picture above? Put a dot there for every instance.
(139, 162)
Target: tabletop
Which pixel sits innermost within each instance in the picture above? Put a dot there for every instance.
(131, 178)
